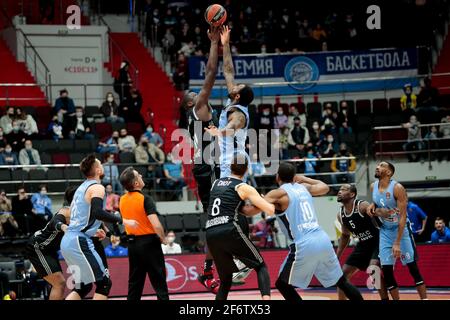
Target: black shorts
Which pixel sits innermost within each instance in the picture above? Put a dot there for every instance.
(363, 253)
(45, 261)
(205, 175)
(226, 242)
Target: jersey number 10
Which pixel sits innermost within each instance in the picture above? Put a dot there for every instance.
(307, 211)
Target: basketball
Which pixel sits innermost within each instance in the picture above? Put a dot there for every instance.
(215, 15)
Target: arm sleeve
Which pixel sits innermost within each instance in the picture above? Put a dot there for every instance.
(56, 222)
(100, 214)
(149, 205)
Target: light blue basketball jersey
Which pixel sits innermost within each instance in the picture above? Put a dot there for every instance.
(232, 144)
(80, 212)
(386, 200)
(300, 219)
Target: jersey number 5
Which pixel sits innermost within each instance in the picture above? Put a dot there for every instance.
(216, 207)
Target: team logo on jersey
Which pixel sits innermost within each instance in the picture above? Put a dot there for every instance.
(302, 70)
(388, 195)
(177, 274)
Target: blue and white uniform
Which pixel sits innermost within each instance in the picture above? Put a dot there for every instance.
(389, 228)
(77, 247)
(230, 145)
(311, 252)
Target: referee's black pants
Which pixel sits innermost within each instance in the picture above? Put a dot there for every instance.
(146, 257)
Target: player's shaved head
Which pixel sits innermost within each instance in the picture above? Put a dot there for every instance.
(286, 172)
(347, 192)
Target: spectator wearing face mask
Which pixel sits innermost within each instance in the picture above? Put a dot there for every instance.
(294, 113)
(42, 207)
(281, 119)
(110, 109)
(114, 249)
(8, 157)
(30, 156)
(8, 225)
(414, 139)
(266, 120)
(345, 119)
(78, 127)
(299, 137)
(7, 119)
(55, 129)
(110, 145)
(112, 199)
(127, 143)
(310, 160)
(3, 141)
(316, 136)
(345, 166)
(329, 120)
(442, 232)
(111, 172)
(64, 106)
(174, 174)
(153, 137)
(16, 138)
(171, 247)
(148, 153)
(329, 147)
(27, 123)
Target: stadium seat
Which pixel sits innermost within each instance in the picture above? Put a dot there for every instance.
(127, 157)
(19, 175)
(394, 106)
(348, 138)
(191, 222)
(135, 129)
(363, 107)
(55, 174)
(45, 158)
(103, 130)
(66, 146)
(37, 175)
(90, 111)
(30, 110)
(261, 106)
(56, 186)
(49, 145)
(60, 158)
(300, 107)
(73, 173)
(5, 175)
(118, 126)
(380, 106)
(76, 157)
(314, 111)
(174, 222)
(83, 146)
(203, 219)
(141, 169)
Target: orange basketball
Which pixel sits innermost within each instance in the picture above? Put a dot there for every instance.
(215, 15)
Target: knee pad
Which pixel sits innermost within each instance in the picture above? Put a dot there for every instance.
(389, 279)
(84, 290)
(103, 286)
(415, 273)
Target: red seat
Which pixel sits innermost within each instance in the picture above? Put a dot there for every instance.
(60, 158)
(134, 129)
(261, 106)
(363, 107)
(380, 106)
(103, 130)
(300, 107)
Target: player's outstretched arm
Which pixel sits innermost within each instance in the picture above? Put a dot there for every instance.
(236, 121)
(228, 68)
(344, 239)
(247, 192)
(315, 187)
(202, 109)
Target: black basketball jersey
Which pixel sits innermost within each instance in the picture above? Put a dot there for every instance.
(224, 202)
(197, 131)
(362, 226)
(49, 238)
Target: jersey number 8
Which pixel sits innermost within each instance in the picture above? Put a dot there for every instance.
(216, 207)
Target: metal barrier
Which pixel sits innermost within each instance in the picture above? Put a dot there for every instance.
(430, 147)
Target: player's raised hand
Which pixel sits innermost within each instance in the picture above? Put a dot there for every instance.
(214, 34)
(213, 131)
(225, 35)
(396, 252)
(100, 234)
